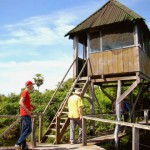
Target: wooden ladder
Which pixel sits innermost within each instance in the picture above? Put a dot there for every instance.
(60, 121)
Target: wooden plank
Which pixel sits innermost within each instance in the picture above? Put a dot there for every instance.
(105, 63)
(125, 61)
(33, 139)
(94, 64)
(114, 79)
(84, 138)
(118, 113)
(136, 59)
(106, 94)
(120, 62)
(134, 85)
(40, 127)
(131, 60)
(10, 127)
(135, 138)
(57, 130)
(75, 55)
(90, 68)
(109, 61)
(146, 127)
(114, 62)
(9, 116)
(100, 61)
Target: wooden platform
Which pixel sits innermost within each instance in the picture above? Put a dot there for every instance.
(91, 144)
(44, 146)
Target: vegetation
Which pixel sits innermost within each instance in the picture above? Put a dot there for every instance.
(38, 80)
(9, 106)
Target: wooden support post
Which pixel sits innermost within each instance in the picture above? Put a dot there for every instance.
(33, 139)
(57, 130)
(146, 115)
(118, 115)
(75, 55)
(40, 128)
(92, 110)
(84, 138)
(132, 113)
(135, 138)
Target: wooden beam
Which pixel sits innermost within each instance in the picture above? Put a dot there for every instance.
(135, 138)
(57, 130)
(144, 76)
(33, 139)
(75, 55)
(114, 79)
(106, 94)
(136, 35)
(92, 108)
(133, 107)
(118, 113)
(139, 126)
(130, 89)
(84, 135)
(9, 128)
(40, 127)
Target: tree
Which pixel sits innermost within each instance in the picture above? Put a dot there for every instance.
(38, 80)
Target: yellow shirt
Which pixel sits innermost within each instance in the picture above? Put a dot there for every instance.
(74, 103)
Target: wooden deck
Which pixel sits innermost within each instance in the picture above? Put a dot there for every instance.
(91, 144)
(44, 146)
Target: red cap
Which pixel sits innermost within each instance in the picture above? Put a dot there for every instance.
(28, 83)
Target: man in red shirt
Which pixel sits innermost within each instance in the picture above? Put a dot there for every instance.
(25, 113)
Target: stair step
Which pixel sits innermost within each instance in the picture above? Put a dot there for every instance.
(53, 129)
(51, 136)
(64, 118)
(65, 112)
(83, 78)
(62, 124)
(80, 83)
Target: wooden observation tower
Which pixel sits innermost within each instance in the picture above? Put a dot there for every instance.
(110, 48)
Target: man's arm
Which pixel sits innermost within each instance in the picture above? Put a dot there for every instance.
(80, 111)
(23, 106)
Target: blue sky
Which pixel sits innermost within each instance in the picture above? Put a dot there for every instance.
(32, 38)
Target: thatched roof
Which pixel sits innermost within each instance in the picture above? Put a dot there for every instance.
(110, 13)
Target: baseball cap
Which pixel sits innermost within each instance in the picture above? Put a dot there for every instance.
(28, 83)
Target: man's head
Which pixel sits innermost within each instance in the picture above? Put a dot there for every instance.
(29, 85)
(77, 91)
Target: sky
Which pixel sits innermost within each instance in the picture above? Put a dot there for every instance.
(32, 38)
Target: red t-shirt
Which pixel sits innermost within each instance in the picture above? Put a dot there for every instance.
(26, 102)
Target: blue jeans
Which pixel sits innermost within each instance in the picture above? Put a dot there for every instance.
(25, 130)
(73, 123)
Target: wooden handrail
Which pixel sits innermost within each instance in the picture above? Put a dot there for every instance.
(66, 99)
(135, 129)
(33, 140)
(58, 88)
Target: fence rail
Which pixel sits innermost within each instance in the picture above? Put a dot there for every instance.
(135, 128)
(33, 139)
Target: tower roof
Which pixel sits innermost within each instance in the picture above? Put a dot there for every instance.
(110, 13)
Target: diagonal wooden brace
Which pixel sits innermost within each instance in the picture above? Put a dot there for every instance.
(130, 89)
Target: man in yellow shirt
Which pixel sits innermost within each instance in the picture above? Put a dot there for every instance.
(75, 115)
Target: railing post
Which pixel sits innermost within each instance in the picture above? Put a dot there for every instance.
(135, 138)
(146, 115)
(57, 130)
(33, 139)
(40, 127)
(84, 138)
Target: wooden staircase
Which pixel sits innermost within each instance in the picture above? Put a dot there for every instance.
(60, 122)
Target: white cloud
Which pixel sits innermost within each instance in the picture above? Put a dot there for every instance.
(14, 75)
(37, 31)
